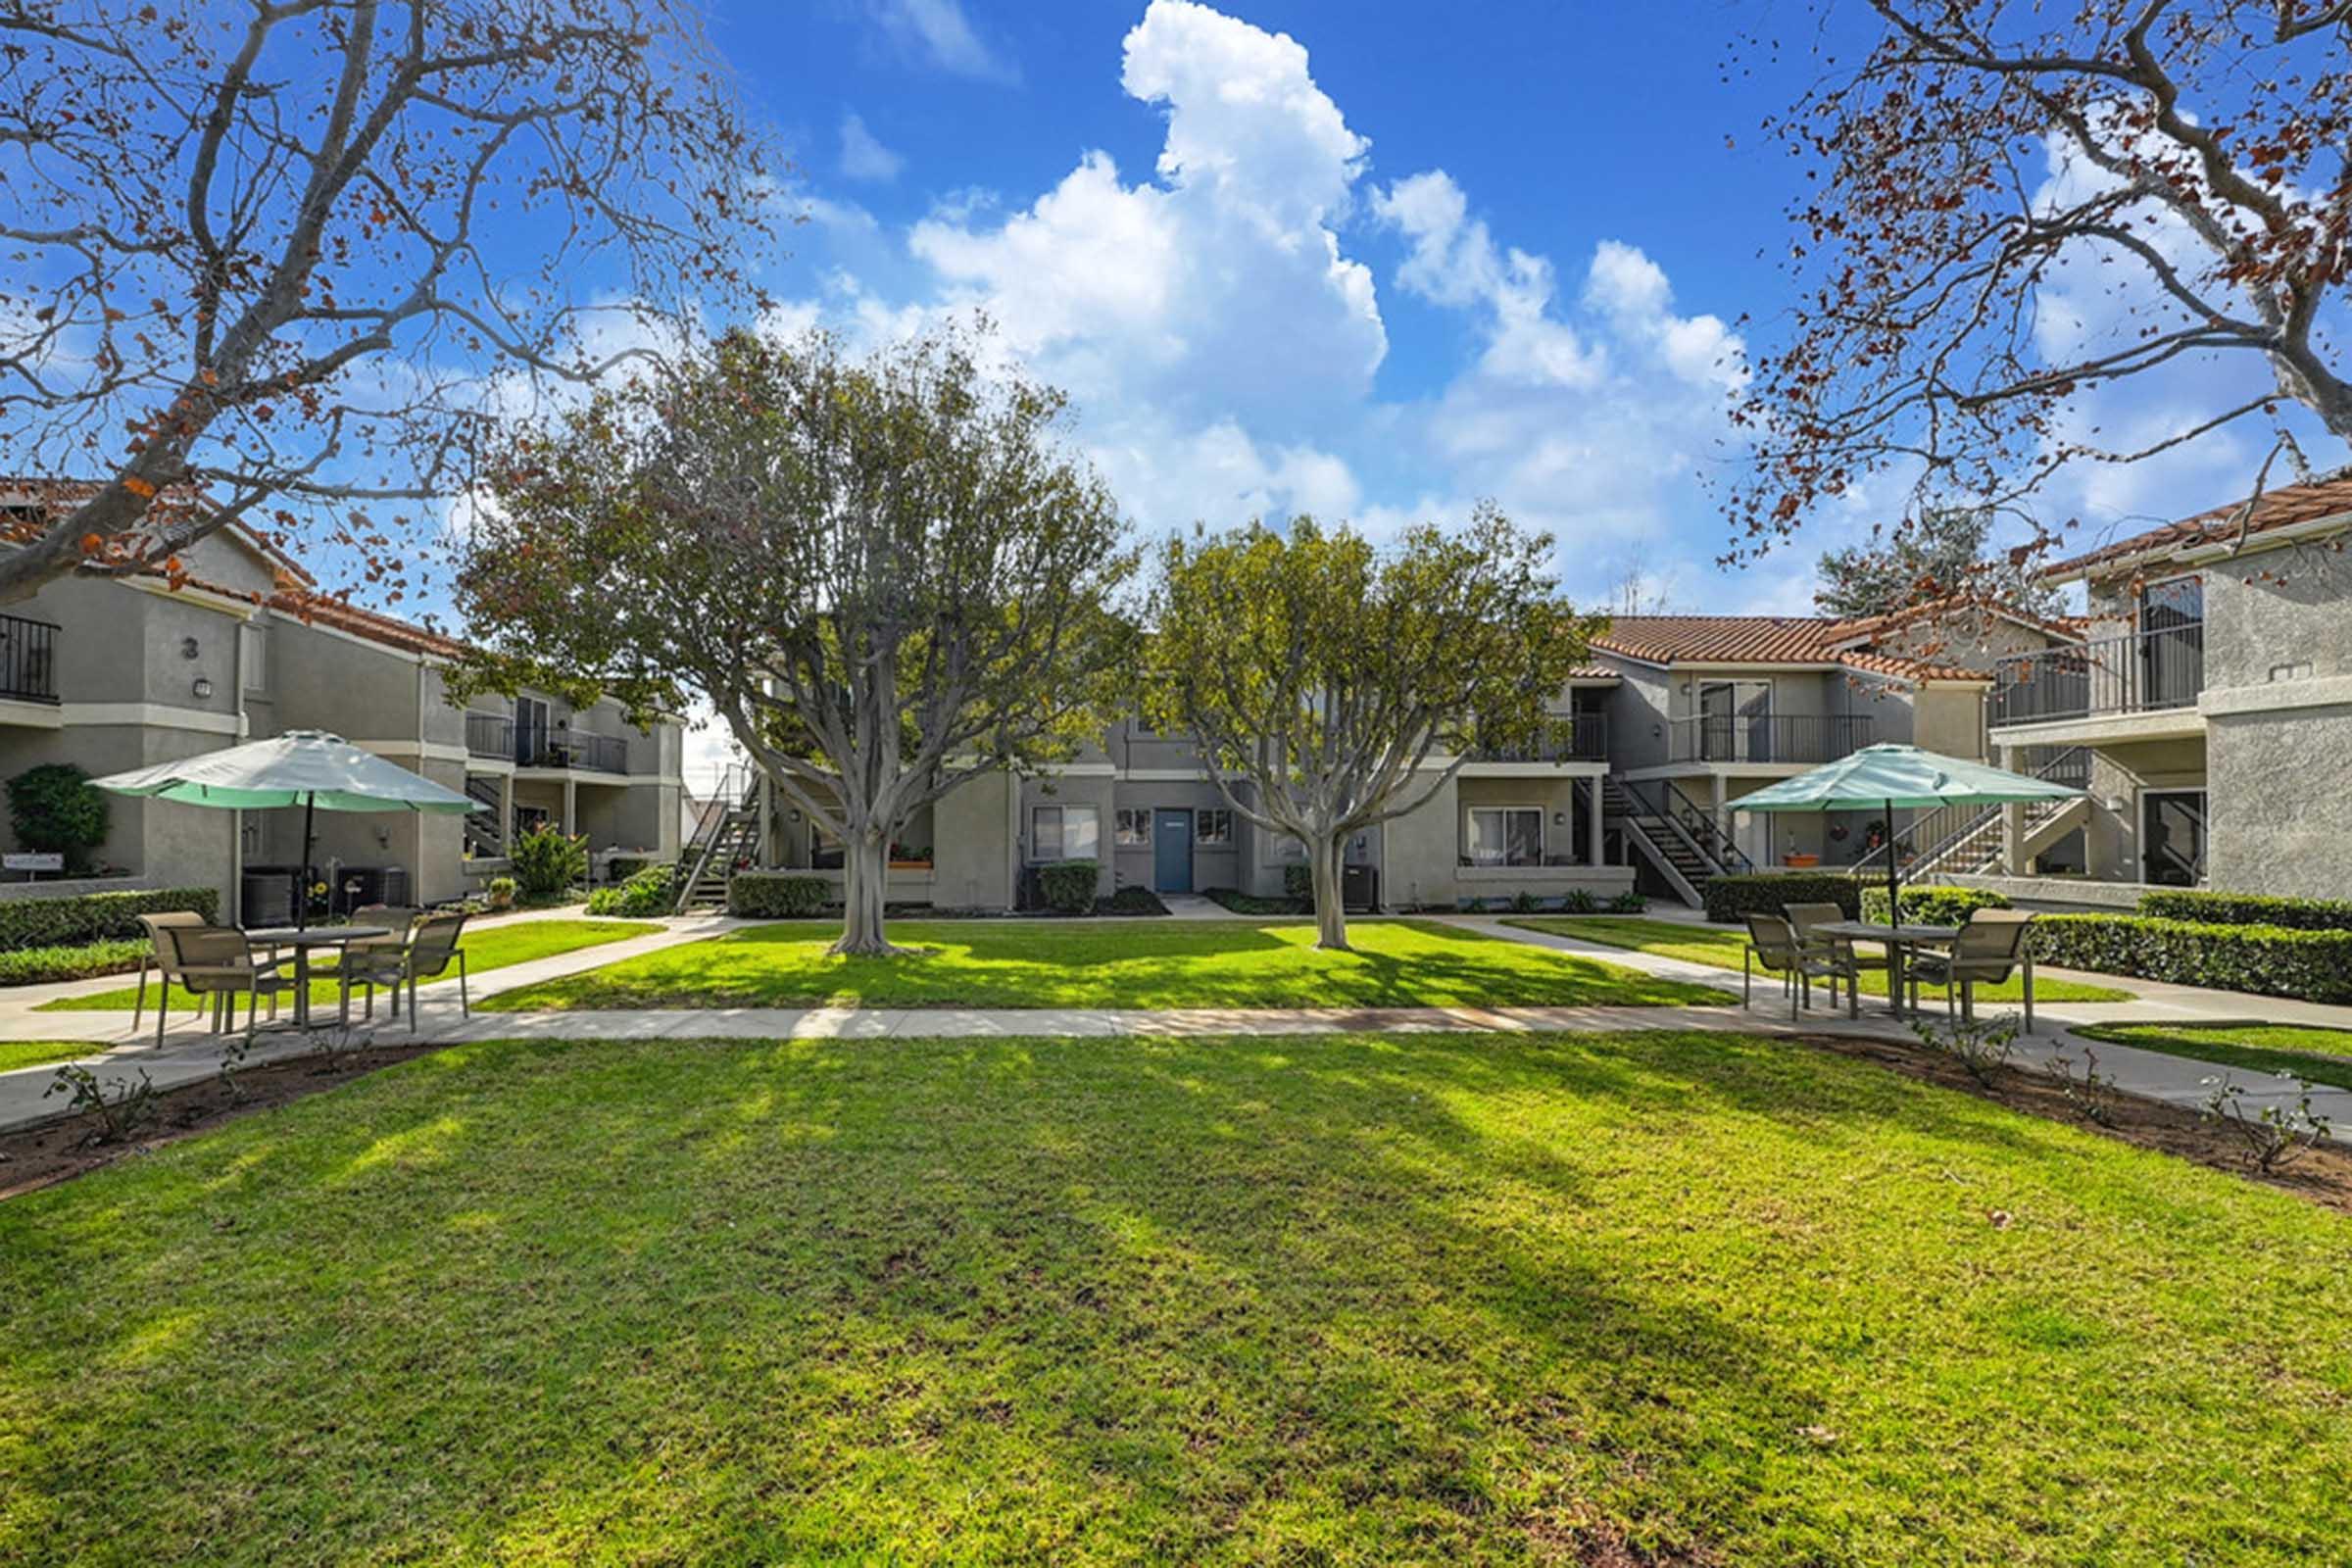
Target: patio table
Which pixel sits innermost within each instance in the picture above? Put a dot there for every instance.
(1897, 940)
(302, 939)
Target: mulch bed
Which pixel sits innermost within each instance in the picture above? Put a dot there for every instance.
(40, 1156)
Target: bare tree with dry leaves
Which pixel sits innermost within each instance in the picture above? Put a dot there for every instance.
(1986, 167)
(266, 261)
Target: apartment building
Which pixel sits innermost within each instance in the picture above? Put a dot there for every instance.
(2206, 705)
(117, 673)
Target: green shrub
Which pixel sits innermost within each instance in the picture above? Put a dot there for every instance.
(1933, 906)
(1580, 901)
(548, 863)
(55, 810)
(1068, 886)
(652, 891)
(619, 868)
(776, 896)
(1299, 884)
(2269, 960)
(1629, 902)
(1132, 901)
(1524, 902)
(86, 917)
(2247, 909)
(1732, 899)
(35, 966)
(1241, 903)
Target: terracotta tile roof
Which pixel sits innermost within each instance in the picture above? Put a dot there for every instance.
(18, 489)
(1868, 627)
(319, 608)
(2281, 508)
(1819, 640)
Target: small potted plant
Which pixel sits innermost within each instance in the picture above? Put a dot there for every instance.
(502, 893)
(1798, 859)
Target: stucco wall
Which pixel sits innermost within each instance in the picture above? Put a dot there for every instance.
(2278, 815)
(2303, 619)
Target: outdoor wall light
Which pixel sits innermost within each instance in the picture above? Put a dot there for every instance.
(1559, 819)
(188, 648)
(203, 688)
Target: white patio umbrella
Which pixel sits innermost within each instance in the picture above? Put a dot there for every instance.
(305, 767)
(1899, 775)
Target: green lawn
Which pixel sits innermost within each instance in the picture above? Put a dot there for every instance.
(2322, 1056)
(489, 946)
(1722, 945)
(1370, 1300)
(1109, 964)
(15, 1053)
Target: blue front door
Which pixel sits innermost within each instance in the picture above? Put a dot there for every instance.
(1172, 851)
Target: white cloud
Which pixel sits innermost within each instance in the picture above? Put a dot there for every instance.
(938, 33)
(863, 157)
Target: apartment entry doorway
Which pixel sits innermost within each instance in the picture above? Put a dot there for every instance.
(1172, 851)
(2173, 837)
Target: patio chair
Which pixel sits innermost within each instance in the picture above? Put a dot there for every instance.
(217, 962)
(431, 947)
(161, 953)
(1838, 952)
(1990, 945)
(1772, 944)
(395, 919)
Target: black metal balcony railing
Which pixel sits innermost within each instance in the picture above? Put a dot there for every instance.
(2142, 672)
(1740, 738)
(28, 659)
(1569, 737)
(600, 753)
(489, 735)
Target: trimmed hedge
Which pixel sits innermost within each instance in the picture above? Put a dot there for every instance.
(652, 891)
(1933, 906)
(2267, 960)
(33, 966)
(1131, 900)
(2247, 909)
(1240, 902)
(1299, 884)
(776, 896)
(1732, 899)
(88, 917)
(1068, 886)
(618, 868)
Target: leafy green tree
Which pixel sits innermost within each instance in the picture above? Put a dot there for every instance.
(1945, 551)
(55, 810)
(1334, 684)
(886, 575)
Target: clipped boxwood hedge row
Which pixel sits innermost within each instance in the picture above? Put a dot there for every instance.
(2269, 960)
(88, 917)
(2247, 909)
(777, 896)
(1068, 886)
(1933, 906)
(38, 966)
(1732, 899)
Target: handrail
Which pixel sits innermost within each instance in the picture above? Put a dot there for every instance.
(1695, 822)
(1566, 737)
(2141, 671)
(1950, 828)
(490, 735)
(1767, 738)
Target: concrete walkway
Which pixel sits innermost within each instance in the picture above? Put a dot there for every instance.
(191, 1053)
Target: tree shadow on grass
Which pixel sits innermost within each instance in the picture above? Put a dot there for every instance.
(1436, 1298)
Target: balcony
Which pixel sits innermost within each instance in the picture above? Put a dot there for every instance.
(490, 735)
(28, 660)
(2145, 673)
(598, 754)
(1568, 738)
(1764, 738)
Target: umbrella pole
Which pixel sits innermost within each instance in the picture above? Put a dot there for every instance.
(1894, 902)
(302, 890)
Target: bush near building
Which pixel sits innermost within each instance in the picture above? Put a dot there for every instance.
(2247, 909)
(2269, 960)
(1732, 899)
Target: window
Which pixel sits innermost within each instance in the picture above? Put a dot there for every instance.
(253, 652)
(531, 730)
(2173, 845)
(1132, 827)
(1507, 835)
(1212, 826)
(1063, 833)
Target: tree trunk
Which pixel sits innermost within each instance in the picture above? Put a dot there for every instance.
(865, 892)
(1325, 859)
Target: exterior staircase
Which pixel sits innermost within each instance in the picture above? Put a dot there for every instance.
(1974, 839)
(725, 834)
(486, 829)
(1672, 833)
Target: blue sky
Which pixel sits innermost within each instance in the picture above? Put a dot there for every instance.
(1395, 265)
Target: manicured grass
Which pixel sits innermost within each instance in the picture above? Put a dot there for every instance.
(1371, 1299)
(2321, 1055)
(489, 946)
(1109, 964)
(1722, 945)
(15, 1053)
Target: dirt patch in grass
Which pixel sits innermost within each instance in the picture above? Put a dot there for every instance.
(54, 1152)
(2322, 1175)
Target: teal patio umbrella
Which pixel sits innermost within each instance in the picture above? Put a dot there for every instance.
(305, 767)
(1889, 776)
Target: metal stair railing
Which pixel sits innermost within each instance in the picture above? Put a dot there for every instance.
(717, 830)
(1948, 828)
(1693, 823)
